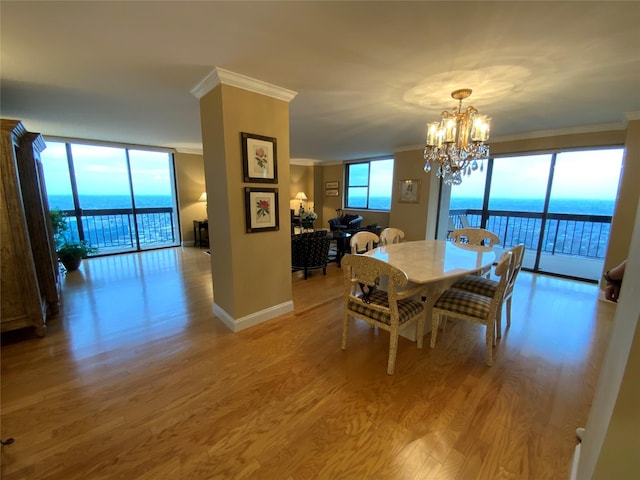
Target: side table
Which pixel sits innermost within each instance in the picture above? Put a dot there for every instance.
(198, 227)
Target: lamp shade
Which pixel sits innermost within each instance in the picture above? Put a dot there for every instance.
(203, 197)
(301, 196)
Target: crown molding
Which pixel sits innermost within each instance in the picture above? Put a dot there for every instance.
(604, 127)
(190, 151)
(220, 75)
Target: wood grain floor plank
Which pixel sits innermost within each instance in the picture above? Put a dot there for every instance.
(136, 379)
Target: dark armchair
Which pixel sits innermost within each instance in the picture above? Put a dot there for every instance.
(310, 251)
(345, 222)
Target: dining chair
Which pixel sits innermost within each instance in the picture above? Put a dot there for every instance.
(391, 235)
(475, 236)
(387, 309)
(488, 286)
(363, 242)
(473, 307)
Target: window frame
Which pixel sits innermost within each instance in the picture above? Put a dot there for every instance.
(367, 186)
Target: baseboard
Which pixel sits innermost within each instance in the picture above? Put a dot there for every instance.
(573, 474)
(237, 324)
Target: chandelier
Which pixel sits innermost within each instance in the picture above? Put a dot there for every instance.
(456, 142)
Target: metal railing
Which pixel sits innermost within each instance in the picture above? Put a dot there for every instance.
(120, 229)
(563, 233)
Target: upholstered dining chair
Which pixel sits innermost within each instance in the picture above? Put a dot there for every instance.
(488, 286)
(473, 307)
(363, 242)
(475, 236)
(391, 235)
(387, 309)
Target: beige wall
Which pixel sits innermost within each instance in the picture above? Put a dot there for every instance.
(332, 173)
(242, 261)
(628, 196)
(302, 180)
(410, 217)
(189, 170)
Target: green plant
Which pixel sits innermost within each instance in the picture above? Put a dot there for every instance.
(74, 250)
(67, 249)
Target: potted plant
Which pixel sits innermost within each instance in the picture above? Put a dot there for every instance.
(307, 217)
(70, 253)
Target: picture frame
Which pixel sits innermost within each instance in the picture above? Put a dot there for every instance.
(261, 209)
(332, 185)
(259, 158)
(409, 191)
(332, 192)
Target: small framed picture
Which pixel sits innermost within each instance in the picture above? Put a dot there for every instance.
(332, 192)
(261, 206)
(409, 191)
(331, 185)
(260, 159)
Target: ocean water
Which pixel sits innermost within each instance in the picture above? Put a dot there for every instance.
(91, 202)
(578, 206)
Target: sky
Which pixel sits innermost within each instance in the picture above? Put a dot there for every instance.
(591, 174)
(103, 170)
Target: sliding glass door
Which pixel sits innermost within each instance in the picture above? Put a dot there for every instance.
(117, 199)
(581, 201)
(559, 205)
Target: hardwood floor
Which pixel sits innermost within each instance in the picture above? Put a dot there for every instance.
(136, 379)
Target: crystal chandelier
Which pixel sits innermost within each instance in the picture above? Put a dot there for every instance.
(456, 142)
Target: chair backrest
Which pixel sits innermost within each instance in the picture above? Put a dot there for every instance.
(514, 269)
(310, 249)
(475, 236)
(362, 270)
(502, 271)
(391, 235)
(363, 241)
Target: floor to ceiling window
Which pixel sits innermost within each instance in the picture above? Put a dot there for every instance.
(558, 204)
(117, 199)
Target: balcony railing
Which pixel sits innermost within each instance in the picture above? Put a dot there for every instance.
(564, 234)
(115, 229)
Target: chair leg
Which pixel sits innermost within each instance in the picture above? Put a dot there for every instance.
(508, 312)
(434, 328)
(393, 349)
(499, 323)
(420, 333)
(345, 331)
(489, 341)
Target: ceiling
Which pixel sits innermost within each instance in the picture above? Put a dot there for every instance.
(368, 75)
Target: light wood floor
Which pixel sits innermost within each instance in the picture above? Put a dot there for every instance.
(137, 380)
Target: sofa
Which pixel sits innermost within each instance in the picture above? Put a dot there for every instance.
(347, 222)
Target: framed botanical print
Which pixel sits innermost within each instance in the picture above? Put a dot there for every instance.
(260, 158)
(409, 191)
(261, 208)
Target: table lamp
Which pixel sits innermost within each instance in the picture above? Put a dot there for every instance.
(203, 198)
(301, 196)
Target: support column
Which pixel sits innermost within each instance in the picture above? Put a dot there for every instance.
(251, 271)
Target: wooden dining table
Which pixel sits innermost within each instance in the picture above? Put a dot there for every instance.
(436, 264)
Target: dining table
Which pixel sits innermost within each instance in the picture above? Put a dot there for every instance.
(436, 264)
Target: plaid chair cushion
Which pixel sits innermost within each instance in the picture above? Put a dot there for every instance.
(465, 303)
(407, 308)
(477, 284)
